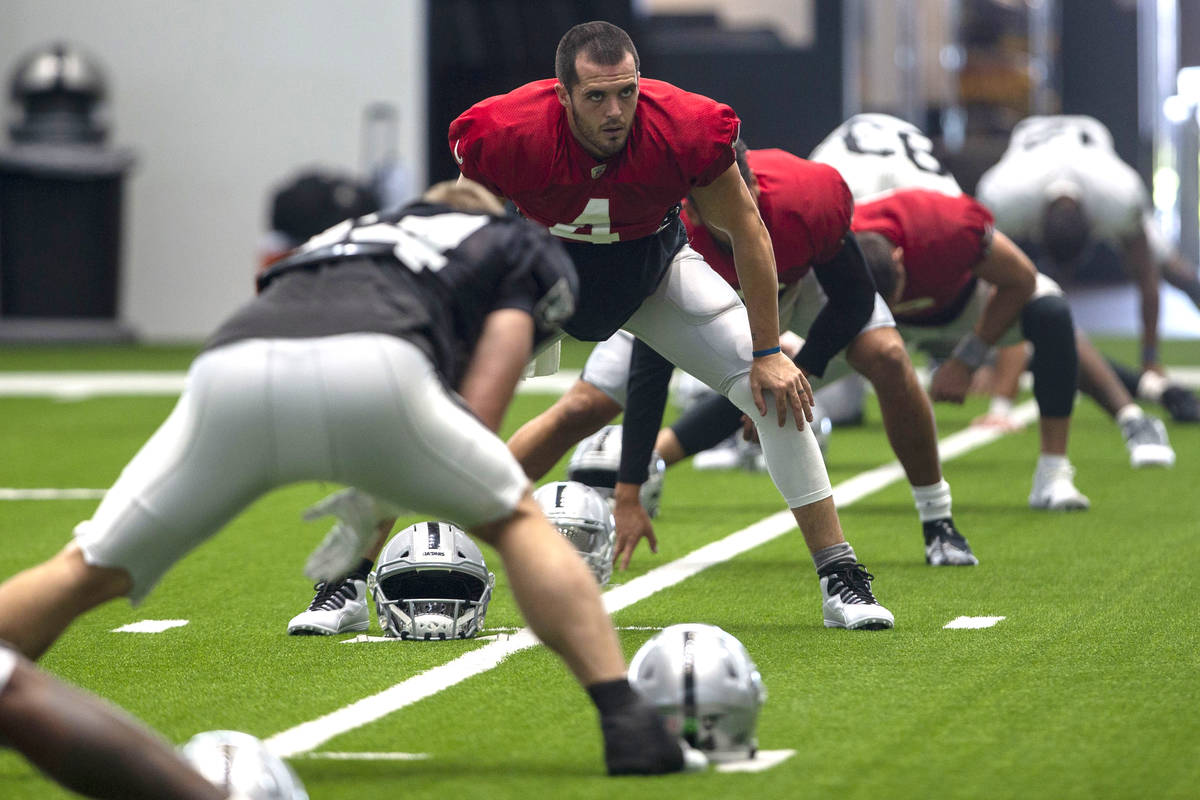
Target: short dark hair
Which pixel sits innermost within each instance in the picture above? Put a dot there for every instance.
(600, 42)
(877, 251)
(1066, 231)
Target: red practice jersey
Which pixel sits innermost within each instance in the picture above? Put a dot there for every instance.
(520, 146)
(806, 207)
(943, 237)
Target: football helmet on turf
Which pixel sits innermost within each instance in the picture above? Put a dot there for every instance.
(242, 764)
(705, 686)
(597, 459)
(582, 515)
(431, 583)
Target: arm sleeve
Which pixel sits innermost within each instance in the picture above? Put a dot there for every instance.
(649, 379)
(851, 299)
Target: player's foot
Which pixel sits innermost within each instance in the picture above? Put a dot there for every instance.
(849, 603)
(1146, 438)
(945, 546)
(339, 607)
(724, 455)
(1181, 404)
(637, 743)
(1054, 490)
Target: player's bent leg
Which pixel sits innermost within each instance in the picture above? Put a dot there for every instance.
(1145, 436)
(542, 441)
(879, 355)
(38, 604)
(560, 600)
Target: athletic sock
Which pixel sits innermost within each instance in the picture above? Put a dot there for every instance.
(1129, 412)
(933, 501)
(826, 557)
(613, 696)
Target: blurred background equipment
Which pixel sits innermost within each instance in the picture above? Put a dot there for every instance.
(309, 202)
(60, 202)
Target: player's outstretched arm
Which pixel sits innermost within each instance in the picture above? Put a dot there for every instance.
(1014, 277)
(726, 204)
(1141, 264)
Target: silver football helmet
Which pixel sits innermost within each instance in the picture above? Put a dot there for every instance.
(582, 515)
(598, 457)
(431, 582)
(242, 764)
(705, 687)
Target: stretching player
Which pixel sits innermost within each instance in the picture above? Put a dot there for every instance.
(381, 355)
(602, 158)
(958, 288)
(806, 207)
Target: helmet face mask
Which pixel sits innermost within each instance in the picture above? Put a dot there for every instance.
(597, 459)
(582, 515)
(431, 583)
(705, 687)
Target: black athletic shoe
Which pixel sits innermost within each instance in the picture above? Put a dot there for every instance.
(1181, 404)
(945, 546)
(637, 743)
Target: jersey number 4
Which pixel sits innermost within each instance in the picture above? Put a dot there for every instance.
(592, 225)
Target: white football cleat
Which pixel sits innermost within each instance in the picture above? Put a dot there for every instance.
(339, 607)
(1054, 490)
(848, 601)
(1146, 438)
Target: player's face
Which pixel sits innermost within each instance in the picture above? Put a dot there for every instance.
(601, 106)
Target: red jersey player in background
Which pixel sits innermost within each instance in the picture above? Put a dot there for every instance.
(957, 288)
(602, 158)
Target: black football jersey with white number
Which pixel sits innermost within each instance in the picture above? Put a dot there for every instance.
(426, 273)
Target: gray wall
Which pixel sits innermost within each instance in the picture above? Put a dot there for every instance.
(221, 99)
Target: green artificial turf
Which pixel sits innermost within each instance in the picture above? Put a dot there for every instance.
(1087, 689)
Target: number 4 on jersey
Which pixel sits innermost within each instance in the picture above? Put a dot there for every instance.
(594, 217)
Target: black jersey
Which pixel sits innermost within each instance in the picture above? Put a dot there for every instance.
(426, 273)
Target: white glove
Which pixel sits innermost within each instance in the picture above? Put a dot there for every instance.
(358, 516)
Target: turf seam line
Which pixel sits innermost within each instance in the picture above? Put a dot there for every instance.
(312, 734)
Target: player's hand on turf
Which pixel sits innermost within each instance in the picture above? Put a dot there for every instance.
(951, 381)
(633, 524)
(777, 375)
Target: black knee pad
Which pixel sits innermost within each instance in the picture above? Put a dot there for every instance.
(1046, 323)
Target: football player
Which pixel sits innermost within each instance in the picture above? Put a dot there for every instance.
(602, 157)
(806, 207)
(957, 288)
(1061, 186)
(381, 355)
(87, 745)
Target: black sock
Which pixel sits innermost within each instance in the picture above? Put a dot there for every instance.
(360, 572)
(612, 696)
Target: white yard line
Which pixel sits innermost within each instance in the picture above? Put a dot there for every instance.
(311, 735)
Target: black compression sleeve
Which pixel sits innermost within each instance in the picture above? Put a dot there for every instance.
(851, 299)
(646, 397)
(706, 424)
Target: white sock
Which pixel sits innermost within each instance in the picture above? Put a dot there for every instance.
(1050, 463)
(933, 501)
(1130, 412)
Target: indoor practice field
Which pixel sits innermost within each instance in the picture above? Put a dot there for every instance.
(1076, 674)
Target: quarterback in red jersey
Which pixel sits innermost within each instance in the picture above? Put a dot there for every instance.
(602, 158)
(958, 288)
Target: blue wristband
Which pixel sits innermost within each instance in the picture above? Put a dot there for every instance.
(770, 351)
